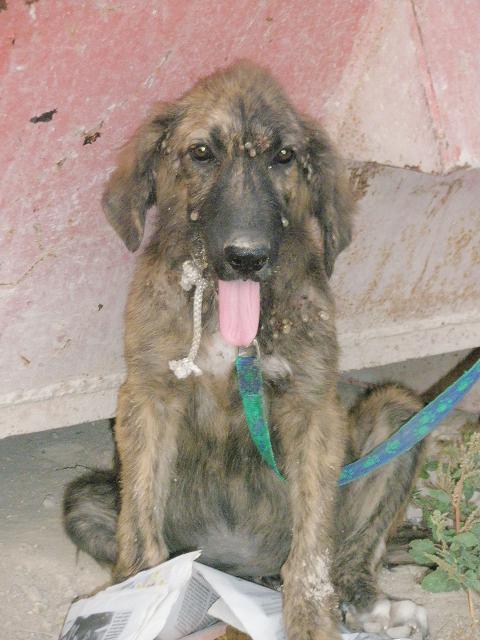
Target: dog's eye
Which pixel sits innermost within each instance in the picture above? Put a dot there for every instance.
(201, 152)
(285, 155)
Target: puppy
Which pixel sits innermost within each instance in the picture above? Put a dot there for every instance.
(252, 193)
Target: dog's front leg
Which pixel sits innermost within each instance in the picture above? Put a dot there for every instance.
(146, 440)
(314, 452)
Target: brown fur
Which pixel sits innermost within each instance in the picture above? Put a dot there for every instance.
(189, 475)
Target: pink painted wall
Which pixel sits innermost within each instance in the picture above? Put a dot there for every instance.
(381, 74)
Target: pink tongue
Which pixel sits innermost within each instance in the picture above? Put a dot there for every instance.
(239, 311)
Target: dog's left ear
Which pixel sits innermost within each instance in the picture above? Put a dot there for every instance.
(332, 199)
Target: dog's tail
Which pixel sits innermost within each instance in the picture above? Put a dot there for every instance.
(90, 509)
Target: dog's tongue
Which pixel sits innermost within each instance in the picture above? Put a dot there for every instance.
(239, 311)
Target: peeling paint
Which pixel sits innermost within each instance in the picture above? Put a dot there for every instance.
(90, 138)
(44, 117)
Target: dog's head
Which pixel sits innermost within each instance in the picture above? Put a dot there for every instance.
(245, 168)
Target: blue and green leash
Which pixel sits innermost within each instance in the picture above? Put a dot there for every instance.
(250, 384)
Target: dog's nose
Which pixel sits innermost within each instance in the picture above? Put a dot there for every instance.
(246, 260)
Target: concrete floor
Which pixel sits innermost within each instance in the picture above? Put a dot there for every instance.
(40, 571)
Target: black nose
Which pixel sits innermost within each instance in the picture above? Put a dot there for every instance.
(246, 260)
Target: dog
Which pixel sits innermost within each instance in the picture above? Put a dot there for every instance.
(253, 193)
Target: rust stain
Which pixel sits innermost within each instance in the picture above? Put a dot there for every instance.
(476, 255)
(91, 137)
(439, 201)
(458, 243)
(399, 302)
(361, 177)
(399, 297)
(409, 235)
(25, 360)
(374, 281)
(452, 188)
(420, 277)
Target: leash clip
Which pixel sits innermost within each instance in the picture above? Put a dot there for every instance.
(253, 349)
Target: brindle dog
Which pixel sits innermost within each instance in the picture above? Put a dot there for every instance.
(246, 184)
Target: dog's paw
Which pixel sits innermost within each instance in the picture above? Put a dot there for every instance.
(391, 619)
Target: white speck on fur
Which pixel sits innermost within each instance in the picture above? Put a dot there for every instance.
(216, 356)
(318, 587)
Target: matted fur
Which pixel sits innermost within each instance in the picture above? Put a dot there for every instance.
(188, 474)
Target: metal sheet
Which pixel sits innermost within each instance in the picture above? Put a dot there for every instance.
(409, 285)
(359, 65)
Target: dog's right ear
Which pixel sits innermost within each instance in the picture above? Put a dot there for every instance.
(130, 191)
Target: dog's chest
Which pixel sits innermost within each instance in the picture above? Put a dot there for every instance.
(216, 357)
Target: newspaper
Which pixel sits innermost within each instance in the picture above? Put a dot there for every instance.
(180, 600)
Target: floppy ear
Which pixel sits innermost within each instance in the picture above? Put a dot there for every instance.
(332, 200)
(130, 191)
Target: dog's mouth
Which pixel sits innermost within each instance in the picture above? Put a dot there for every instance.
(239, 311)
(239, 268)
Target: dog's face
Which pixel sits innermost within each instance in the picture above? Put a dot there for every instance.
(239, 155)
(243, 168)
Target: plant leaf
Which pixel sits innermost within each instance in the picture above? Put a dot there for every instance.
(468, 490)
(472, 581)
(442, 499)
(429, 466)
(439, 581)
(467, 539)
(418, 549)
